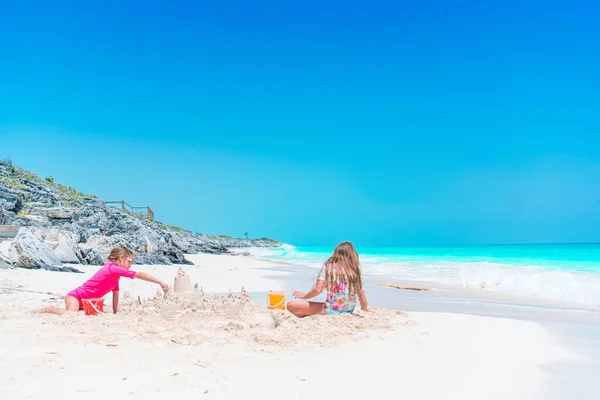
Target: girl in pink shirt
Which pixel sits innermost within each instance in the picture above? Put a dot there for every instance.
(106, 280)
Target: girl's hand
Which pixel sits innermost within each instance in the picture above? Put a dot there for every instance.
(164, 287)
(298, 295)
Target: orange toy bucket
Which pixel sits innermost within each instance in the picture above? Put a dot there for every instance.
(276, 300)
(93, 306)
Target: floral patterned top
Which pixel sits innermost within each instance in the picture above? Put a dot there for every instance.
(339, 297)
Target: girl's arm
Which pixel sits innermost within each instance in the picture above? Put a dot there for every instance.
(363, 300)
(115, 301)
(149, 278)
(315, 291)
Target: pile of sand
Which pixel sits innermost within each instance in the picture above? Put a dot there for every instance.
(186, 316)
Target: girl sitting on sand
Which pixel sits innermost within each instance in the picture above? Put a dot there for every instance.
(341, 276)
(104, 281)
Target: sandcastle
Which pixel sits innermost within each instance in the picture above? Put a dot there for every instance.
(182, 282)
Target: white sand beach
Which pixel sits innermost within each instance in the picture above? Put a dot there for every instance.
(194, 345)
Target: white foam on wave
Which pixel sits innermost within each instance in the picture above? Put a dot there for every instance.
(285, 251)
(531, 280)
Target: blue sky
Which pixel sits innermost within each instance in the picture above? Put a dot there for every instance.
(388, 123)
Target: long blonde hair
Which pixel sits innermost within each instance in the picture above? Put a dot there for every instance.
(347, 269)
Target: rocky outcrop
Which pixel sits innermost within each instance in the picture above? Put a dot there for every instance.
(29, 251)
(61, 225)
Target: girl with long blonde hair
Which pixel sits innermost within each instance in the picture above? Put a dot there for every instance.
(341, 276)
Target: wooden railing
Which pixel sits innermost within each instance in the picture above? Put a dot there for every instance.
(126, 207)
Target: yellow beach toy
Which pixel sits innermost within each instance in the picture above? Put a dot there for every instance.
(276, 300)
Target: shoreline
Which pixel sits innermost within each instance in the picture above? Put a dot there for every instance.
(520, 348)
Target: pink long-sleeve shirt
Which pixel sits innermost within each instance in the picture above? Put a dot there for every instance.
(105, 280)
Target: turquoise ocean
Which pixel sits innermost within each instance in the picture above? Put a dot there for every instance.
(561, 272)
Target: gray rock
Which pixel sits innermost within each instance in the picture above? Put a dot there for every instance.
(30, 251)
(5, 254)
(52, 212)
(62, 242)
(65, 253)
(148, 248)
(53, 236)
(9, 198)
(36, 219)
(60, 213)
(96, 249)
(10, 204)
(91, 256)
(8, 231)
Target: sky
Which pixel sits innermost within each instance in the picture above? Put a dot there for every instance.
(384, 123)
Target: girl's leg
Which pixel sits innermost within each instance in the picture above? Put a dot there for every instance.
(52, 310)
(71, 304)
(306, 308)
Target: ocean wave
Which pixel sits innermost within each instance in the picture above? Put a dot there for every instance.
(285, 251)
(532, 280)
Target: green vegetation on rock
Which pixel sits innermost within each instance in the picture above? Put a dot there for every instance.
(171, 228)
(18, 179)
(71, 195)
